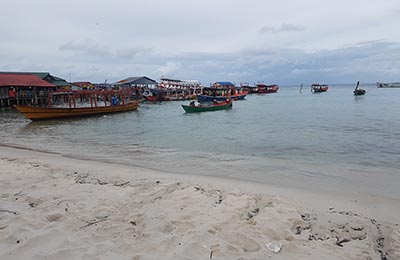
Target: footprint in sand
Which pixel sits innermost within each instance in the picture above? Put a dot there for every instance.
(246, 243)
(54, 217)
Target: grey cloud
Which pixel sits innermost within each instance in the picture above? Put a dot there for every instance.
(367, 61)
(93, 51)
(113, 41)
(282, 28)
(169, 69)
(86, 48)
(132, 52)
(395, 12)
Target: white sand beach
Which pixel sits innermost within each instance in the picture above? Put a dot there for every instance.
(53, 207)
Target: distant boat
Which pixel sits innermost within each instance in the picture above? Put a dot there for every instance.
(111, 102)
(317, 88)
(359, 91)
(388, 85)
(266, 89)
(204, 107)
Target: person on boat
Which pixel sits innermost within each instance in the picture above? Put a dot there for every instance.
(114, 100)
(192, 104)
(137, 91)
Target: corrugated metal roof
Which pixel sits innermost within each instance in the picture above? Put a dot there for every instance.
(61, 83)
(134, 79)
(129, 79)
(22, 80)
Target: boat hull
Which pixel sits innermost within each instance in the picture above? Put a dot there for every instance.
(46, 113)
(267, 91)
(319, 90)
(359, 92)
(197, 109)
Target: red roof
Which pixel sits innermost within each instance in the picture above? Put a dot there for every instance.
(22, 80)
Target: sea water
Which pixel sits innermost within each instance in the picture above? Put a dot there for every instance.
(328, 141)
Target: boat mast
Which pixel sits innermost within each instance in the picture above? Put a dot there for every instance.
(358, 82)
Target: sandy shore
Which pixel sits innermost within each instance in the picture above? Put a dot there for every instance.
(52, 207)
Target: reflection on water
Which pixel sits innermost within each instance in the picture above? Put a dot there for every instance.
(255, 140)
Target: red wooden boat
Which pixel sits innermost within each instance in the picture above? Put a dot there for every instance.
(250, 89)
(318, 88)
(266, 89)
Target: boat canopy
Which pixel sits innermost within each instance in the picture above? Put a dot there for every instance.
(223, 84)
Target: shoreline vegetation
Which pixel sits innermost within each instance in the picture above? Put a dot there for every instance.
(53, 207)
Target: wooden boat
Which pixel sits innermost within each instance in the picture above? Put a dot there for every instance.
(112, 102)
(217, 105)
(162, 94)
(359, 91)
(250, 89)
(266, 89)
(388, 85)
(221, 94)
(317, 88)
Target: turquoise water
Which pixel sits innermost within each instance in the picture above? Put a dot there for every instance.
(325, 140)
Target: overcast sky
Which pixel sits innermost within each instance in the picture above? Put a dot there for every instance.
(285, 42)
